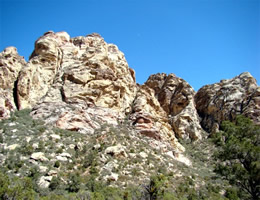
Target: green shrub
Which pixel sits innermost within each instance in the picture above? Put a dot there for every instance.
(55, 183)
(57, 164)
(74, 182)
(1, 138)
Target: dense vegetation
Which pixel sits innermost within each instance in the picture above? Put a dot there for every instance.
(239, 154)
(227, 170)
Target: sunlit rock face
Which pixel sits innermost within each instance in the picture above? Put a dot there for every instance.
(176, 98)
(149, 118)
(228, 98)
(77, 83)
(85, 69)
(83, 82)
(10, 65)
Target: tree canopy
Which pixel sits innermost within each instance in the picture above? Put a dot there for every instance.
(239, 155)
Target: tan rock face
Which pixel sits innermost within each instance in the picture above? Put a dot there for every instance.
(80, 83)
(224, 100)
(148, 117)
(102, 77)
(10, 66)
(150, 120)
(77, 83)
(75, 117)
(84, 69)
(37, 76)
(176, 97)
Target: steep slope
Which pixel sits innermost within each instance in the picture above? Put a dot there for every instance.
(62, 164)
(82, 112)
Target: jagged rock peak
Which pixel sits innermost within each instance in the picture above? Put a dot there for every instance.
(80, 68)
(228, 98)
(84, 81)
(176, 97)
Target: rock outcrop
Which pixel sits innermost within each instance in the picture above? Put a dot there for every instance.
(10, 65)
(228, 98)
(74, 83)
(176, 98)
(149, 118)
(81, 83)
(84, 69)
(38, 75)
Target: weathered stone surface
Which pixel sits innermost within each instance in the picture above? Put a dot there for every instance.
(228, 98)
(75, 117)
(117, 151)
(149, 118)
(81, 83)
(10, 65)
(44, 181)
(101, 76)
(37, 76)
(85, 69)
(176, 97)
(39, 156)
(75, 83)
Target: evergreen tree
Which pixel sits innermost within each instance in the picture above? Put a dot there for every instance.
(240, 155)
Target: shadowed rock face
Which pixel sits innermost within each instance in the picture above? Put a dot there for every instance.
(10, 65)
(149, 118)
(228, 98)
(176, 97)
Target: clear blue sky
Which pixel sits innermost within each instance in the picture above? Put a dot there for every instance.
(201, 41)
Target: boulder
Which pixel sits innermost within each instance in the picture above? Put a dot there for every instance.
(44, 181)
(111, 177)
(117, 151)
(39, 156)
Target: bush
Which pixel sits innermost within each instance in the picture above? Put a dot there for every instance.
(55, 183)
(16, 188)
(57, 164)
(1, 138)
(74, 182)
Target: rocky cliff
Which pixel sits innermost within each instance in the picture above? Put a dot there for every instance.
(226, 99)
(73, 121)
(81, 83)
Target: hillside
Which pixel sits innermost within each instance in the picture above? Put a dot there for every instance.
(76, 125)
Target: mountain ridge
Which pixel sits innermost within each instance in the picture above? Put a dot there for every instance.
(89, 72)
(80, 109)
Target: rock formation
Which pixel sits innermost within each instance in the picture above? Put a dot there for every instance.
(224, 100)
(176, 97)
(10, 65)
(77, 83)
(84, 69)
(149, 118)
(81, 83)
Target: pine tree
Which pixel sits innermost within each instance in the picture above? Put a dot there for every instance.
(240, 155)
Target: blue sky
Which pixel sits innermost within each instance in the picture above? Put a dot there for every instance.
(201, 41)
